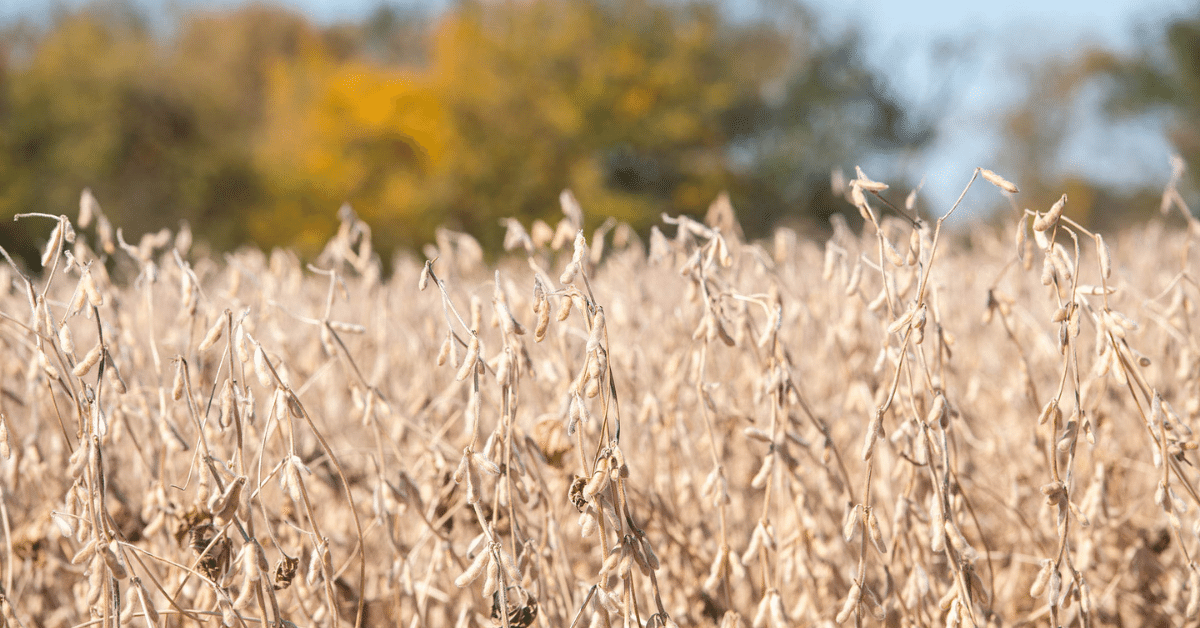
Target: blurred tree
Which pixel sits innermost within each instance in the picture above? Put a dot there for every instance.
(826, 110)
(84, 109)
(1036, 131)
(341, 119)
(159, 129)
(255, 124)
(642, 107)
(220, 62)
(347, 132)
(1161, 79)
(659, 122)
(392, 35)
(622, 101)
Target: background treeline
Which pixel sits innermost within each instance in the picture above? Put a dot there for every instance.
(256, 124)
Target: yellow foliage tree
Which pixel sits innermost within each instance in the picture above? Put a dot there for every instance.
(257, 125)
(350, 132)
(620, 101)
(623, 102)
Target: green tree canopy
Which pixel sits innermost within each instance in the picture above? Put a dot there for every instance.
(255, 124)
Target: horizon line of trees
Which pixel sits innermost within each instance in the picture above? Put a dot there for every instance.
(255, 124)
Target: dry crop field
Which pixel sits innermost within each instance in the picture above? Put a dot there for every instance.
(896, 427)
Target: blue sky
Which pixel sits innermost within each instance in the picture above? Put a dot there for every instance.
(903, 39)
(1002, 36)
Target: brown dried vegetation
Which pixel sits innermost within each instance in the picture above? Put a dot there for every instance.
(890, 428)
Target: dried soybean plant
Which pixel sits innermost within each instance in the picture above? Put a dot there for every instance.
(908, 425)
(599, 491)
(1119, 370)
(157, 487)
